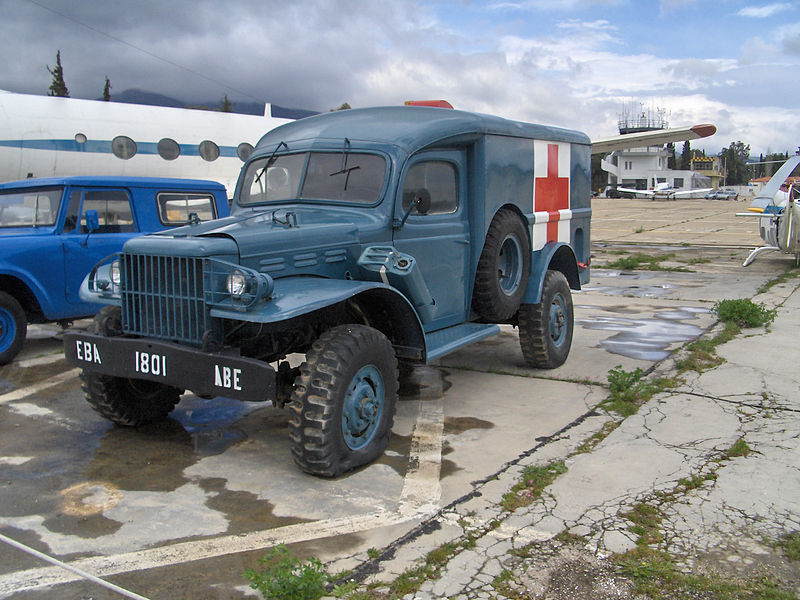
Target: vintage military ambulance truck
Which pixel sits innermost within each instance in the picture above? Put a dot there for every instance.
(368, 240)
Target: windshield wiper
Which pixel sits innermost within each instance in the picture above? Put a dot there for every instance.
(270, 160)
(344, 169)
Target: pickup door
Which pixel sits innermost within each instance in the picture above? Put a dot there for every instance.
(83, 250)
(439, 239)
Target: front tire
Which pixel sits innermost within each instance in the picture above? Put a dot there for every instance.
(128, 402)
(13, 327)
(545, 329)
(344, 401)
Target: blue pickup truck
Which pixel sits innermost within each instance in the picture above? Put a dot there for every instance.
(369, 240)
(54, 230)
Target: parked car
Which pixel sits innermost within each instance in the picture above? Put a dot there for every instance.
(54, 230)
(726, 194)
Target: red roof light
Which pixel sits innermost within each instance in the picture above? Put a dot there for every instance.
(434, 103)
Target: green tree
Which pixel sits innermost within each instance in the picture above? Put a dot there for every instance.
(107, 90)
(57, 86)
(686, 157)
(226, 105)
(734, 159)
(344, 106)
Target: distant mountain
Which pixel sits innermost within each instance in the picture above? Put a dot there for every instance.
(136, 96)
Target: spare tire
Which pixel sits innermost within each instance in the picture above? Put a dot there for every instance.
(502, 274)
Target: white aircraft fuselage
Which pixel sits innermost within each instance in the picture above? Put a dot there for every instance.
(44, 136)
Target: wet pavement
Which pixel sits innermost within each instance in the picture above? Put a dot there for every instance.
(180, 509)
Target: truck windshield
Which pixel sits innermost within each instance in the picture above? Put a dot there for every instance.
(29, 208)
(349, 177)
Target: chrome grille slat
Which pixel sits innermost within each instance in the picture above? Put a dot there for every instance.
(162, 297)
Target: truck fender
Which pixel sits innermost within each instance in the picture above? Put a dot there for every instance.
(27, 290)
(557, 256)
(384, 307)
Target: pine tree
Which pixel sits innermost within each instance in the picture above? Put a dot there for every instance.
(107, 90)
(671, 163)
(226, 105)
(686, 157)
(58, 87)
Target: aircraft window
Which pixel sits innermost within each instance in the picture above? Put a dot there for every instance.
(244, 150)
(113, 210)
(123, 147)
(209, 150)
(439, 178)
(80, 138)
(175, 208)
(168, 149)
(31, 208)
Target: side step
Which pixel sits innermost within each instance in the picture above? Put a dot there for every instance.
(451, 339)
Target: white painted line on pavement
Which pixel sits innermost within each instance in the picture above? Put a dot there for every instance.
(419, 498)
(40, 360)
(38, 387)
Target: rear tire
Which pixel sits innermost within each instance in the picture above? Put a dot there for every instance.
(344, 401)
(502, 274)
(545, 329)
(13, 327)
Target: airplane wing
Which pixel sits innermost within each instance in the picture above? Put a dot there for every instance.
(652, 138)
(697, 191)
(635, 191)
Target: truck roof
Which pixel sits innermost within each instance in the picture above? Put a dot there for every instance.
(116, 181)
(409, 127)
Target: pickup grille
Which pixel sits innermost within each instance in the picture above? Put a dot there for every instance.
(162, 297)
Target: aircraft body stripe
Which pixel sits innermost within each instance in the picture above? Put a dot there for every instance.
(104, 147)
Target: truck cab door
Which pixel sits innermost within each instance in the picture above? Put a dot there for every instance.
(438, 239)
(84, 249)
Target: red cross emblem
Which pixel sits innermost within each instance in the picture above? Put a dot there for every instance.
(552, 193)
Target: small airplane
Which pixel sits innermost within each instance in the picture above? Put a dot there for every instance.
(664, 191)
(777, 207)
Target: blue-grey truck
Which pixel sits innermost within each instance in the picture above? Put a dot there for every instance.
(369, 240)
(54, 230)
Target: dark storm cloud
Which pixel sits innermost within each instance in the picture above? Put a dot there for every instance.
(314, 54)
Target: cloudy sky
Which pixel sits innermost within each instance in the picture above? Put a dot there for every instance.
(571, 63)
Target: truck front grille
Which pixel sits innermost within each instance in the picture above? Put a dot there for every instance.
(162, 297)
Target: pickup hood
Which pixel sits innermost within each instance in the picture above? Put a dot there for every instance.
(282, 240)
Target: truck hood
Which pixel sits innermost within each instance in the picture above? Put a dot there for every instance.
(292, 235)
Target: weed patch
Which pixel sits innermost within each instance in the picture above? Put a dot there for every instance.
(533, 481)
(744, 313)
(629, 390)
(285, 577)
(790, 543)
(643, 262)
(782, 278)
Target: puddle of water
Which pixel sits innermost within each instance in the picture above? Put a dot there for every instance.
(647, 339)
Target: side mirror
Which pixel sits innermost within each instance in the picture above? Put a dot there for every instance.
(421, 200)
(92, 220)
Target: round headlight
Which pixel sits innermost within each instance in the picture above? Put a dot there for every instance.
(114, 272)
(236, 283)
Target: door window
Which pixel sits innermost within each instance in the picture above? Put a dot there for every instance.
(113, 210)
(438, 177)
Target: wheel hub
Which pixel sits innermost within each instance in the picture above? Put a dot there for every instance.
(362, 407)
(558, 320)
(510, 265)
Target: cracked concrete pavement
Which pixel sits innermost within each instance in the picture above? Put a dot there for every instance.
(727, 524)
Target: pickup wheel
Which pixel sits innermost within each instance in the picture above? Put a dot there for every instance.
(129, 402)
(13, 327)
(503, 268)
(344, 400)
(545, 329)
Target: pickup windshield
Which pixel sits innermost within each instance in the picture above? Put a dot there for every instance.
(349, 177)
(29, 208)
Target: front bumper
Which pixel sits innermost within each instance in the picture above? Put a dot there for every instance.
(204, 373)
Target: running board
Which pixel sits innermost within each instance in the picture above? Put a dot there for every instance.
(451, 339)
